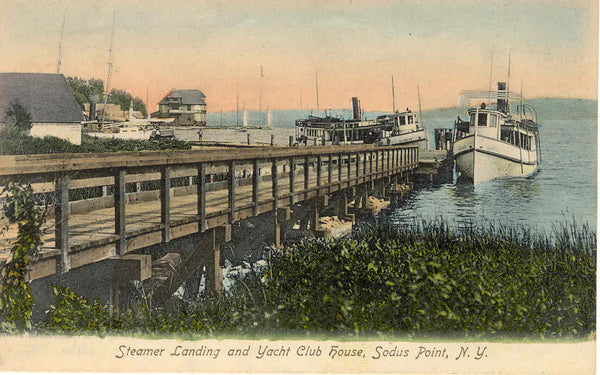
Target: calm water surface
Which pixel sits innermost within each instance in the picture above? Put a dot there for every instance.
(564, 186)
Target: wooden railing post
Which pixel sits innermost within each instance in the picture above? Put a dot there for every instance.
(61, 221)
(165, 202)
(340, 162)
(255, 185)
(201, 195)
(306, 173)
(329, 170)
(120, 222)
(319, 172)
(231, 188)
(377, 161)
(292, 180)
(349, 167)
(357, 166)
(276, 226)
(275, 187)
(370, 162)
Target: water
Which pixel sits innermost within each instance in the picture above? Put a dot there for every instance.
(563, 189)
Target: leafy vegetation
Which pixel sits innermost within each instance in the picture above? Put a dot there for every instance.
(124, 99)
(20, 144)
(424, 279)
(18, 119)
(16, 300)
(92, 90)
(86, 91)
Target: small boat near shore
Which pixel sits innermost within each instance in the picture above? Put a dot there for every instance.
(495, 143)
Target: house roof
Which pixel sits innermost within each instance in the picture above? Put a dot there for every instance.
(47, 97)
(186, 96)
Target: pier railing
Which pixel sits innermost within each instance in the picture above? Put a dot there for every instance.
(136, 200)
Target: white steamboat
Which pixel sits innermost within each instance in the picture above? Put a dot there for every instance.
(495, 143)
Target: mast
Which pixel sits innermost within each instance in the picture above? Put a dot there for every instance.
(260, 117)
(490, 89)
(237, 109)
(508, 87)
(317, 88)
(147, 106)
(221, 109)
(62, 30)
(301, 103)
(393, 97)
(420, 112)
(112, 35)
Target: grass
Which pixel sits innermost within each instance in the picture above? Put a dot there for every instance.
(422, 280)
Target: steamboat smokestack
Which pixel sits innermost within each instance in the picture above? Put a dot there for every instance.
(356, 109)
(502, 103)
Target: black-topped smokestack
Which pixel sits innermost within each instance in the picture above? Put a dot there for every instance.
(502, 103)
(356, 109)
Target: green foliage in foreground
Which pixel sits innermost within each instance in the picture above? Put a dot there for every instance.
(16, 300)
(421, 280)
(18, 144)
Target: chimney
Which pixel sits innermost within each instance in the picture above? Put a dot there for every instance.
(502, 104)
(356, 109)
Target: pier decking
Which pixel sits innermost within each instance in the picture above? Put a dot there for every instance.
(187, 197)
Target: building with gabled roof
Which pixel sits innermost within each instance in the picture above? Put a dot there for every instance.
(49, 100)
(187, 107)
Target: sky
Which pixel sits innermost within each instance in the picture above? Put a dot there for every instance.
(354, 47)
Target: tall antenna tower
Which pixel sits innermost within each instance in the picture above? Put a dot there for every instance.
(62, 30)
(110, 64)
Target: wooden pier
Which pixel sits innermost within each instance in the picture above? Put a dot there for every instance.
(149, 198)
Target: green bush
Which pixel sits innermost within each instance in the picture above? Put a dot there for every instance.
(72, 313)
(12, 143)
(424, 279)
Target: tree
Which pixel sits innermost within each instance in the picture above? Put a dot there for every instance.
(87, 91)
(18, 117)
(124, 99)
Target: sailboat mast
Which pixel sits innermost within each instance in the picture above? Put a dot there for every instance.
(490, 89)
(393, 96)
(237, 109)
(420, 112)
(62, 30)
(112, 35)
(147, 106)
(301, 103)
(317, 88)
(260, 98)
(508, 87)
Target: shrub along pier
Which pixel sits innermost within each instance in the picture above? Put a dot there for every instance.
(162, 215)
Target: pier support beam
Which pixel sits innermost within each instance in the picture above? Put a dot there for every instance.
(212, 253)
(281, 220)
(317, 204)
(129, 267)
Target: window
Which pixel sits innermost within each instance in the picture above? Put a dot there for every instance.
(493, 121)
(410, 119)
(402, 120)
(472, 119)
(189, 107)
(482, 121)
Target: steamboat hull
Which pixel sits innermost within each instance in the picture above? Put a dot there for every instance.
(481, 158)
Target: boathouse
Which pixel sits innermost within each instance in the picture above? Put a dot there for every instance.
(49, 100)
(186, 107)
